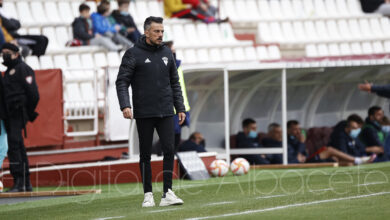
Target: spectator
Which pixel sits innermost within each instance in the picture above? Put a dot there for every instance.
(202, 6)
(102, 25)
(248, 139)
(372, 135)
(123, 17)
(177, 9)
(386, 129)
(345, 136)
(379, 6)
(274, 139)
(297, 149)
(83, 31)
(30, 44)
(296, 143)
(196, 143)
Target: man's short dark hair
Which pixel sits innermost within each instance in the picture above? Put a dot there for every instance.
(355, 118)
(373, 110)
(103, 7)
(122, 2)
(248, 121)
(84, 7)
(192, 136)
(292, 123)
(150, 20)
(272, 126)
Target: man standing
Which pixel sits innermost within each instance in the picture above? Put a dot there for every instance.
(150, 69)
(21, 98)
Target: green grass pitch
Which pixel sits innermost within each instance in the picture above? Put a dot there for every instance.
(325, 193)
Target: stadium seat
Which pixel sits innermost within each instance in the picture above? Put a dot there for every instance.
(65, 11)
(333, 49)
(311, 50)
(215, 55)
(142, 10)
(274, 52)
(34, 31)
(100, 59)
(52, 12)
(262, 53)
(9, 9)
(367, 48)
(322, 50)
(250, 54)
(46, 62)
(33, 62)
(49, 32)
(238, 54)
(356, 48)
(190, 56)
(345, 49)
(113, 59)
(87, 61)
(264, 9)
(387, 46)
(203, 55)
(38, 12)
(227, 55)
(63, 36)
(25, 12)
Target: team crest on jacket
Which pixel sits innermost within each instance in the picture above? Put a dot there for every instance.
(29, 79)
(165, 59)
(12, 72)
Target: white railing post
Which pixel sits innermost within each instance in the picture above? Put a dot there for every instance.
(227, 114)
(284, 115)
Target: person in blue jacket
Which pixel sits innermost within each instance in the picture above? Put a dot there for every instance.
(102, 25)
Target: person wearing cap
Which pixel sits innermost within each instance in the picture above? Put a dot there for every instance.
(21, 98)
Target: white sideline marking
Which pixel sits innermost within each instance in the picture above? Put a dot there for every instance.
(201, 185)
(109, 218)
(289, 206)
(320, 190)
(272, 196)
(220, 203)
(373, 183)
(164, 210)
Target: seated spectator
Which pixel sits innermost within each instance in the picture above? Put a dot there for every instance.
(194, 143)
(30, 44)
(296, 143)
(177, 9)
(248, 139)
(123, 17)
(379, 6)
(83, 31)
(345, 136)
(102, 25)
(274, 139)
(297, 150)
(372, 135)
(202, 6)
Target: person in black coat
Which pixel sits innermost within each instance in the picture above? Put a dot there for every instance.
(345, 136)
(296, 143)
(194, 143)
(21, 98)
(248, 138)
(123, 17)
(150, 69)
(274, 139)
(34, 44)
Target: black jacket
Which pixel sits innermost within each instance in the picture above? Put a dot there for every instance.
(124, 20)
(151, 72)
(243, 141)
(372, 134)
(80, 28)
(342, 141)
(20, 91)
(295, 147)
(11, 25)
(369, 6)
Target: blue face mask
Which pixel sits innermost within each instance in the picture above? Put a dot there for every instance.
(124, 13)
(386, 129)
(252, 134)
(354, 133)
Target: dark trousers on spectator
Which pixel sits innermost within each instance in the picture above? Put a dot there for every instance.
(165, 130)
(16, 151)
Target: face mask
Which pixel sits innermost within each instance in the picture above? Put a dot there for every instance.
(124, 13)
(252, 134)
(354, 133)
(386, 128)
(7, 58)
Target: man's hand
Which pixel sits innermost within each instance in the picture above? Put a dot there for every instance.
(117, 27)
(375, 149)
(302, 138)
(127, 113)
(182, 117)
(366, 87)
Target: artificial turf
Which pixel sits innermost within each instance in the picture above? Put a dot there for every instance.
(360, 192)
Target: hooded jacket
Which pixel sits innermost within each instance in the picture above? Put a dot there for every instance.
(151, 72)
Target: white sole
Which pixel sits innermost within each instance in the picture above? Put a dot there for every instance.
(169, 204)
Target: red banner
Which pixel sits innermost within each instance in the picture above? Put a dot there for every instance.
(48, 128)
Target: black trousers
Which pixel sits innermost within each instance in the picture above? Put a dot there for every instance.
(16, 151)
(165, 130)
